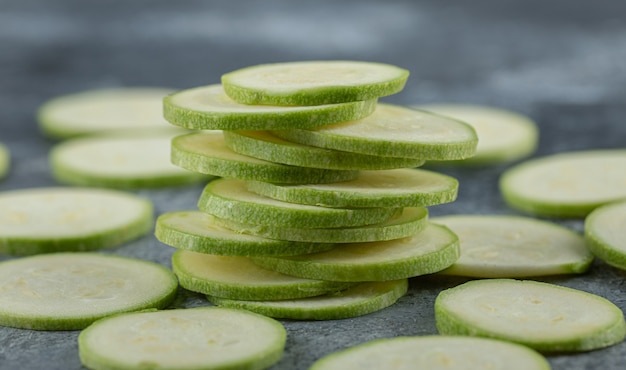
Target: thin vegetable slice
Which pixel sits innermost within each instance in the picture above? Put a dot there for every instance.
(411, 221)
(69, 291)
(263, 145)
(119, 162)
(503, 136)
(546, 317)
(356, 301)
(199, 232)
(239, 278)
(605, 233)
(434, 352)
(42, 220)
(498, 246)
(313, 82)
(387, 188)
(431, 250)
(209, 108)
(230, 199)
(567, 184)
(4, 160)
(207, 153)
(393, 131)
(98, 111)
(183, 339)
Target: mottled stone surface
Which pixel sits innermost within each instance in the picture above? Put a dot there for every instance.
(560, 62)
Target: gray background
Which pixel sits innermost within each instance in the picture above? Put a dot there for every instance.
(563, 63)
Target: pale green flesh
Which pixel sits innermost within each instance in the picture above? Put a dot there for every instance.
(230, 199)
(542, 316)
(4, 160)
(432, 352)
(236, 277)
(98, 111)
(356, 301)
(195, 338)
(497, 246)
(567, 184)
(425, 252)
(119, 161)
(209, 108)
(68, 291)
(411, 221)
(41, 220)
(314, 82)
(198, 232)
(605, 233)
(386, 188)
(503, 136)
(207, 153)
(263, 145)
(393, 131)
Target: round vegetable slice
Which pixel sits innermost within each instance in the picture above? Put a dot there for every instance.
(209, 108)
(239, 278)
(4, 160)
(431, 250)
(434, 352)
(566, 184)
(41, 220)
(183, 339)
(199, 232)
(499, 246)
(356, 301)
(207, 153)
(119, 162)
(106, 110)
(387, 188)
(263, 145)
(313, 82)
(503, 136)
(393, 131)
(230, 199)
(605, 234)
(546, 317)
(69, 291)
(409, 222)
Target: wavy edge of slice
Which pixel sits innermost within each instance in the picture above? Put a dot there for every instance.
(337, 93)
(243, 117)
(92, 356)
(369, 296)
(207, 153)
(186, 236)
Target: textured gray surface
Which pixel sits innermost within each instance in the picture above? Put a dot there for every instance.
(561, 62)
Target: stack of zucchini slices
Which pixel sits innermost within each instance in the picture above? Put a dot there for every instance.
(319, 211)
